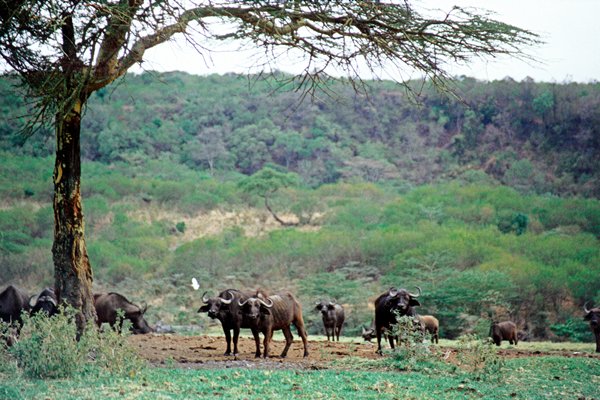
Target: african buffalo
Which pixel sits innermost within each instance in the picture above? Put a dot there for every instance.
(45, 301)
(13, 301)
(394, 302)
(108, 306)
(432, 325)
(368, 333)
(333, 318)
(506, 330)
(593, 316)
(270, 313)
(225, 308)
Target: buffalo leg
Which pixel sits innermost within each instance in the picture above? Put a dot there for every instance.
(289, 338)
(339, 330)
(302, 333)
(597, 334)
(378, 334)
(268, 335)
(228, 340)
(236, 335)
(257, 343)
(327, 333)
(391, 340)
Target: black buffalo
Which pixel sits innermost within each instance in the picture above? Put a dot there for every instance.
(506, 330)
(44, 302)
(593, 316)
(333, 318)
(225, 308)
(13, 301)
(108, 306)
(270, 313)
(389, 305)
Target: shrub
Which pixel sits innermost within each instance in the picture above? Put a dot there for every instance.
(412, 352)
(478, 357)
(47, 348)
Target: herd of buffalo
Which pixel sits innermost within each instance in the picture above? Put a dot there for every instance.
(263, 313)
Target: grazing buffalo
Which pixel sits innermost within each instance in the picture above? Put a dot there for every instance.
(270, 313)
(368, 333)
(333, 318)
(593, 316)
(394, 302)
(108, 306)
(432, 325)
(506, 330)
(13, 301)
(225, 308)
(45, 302)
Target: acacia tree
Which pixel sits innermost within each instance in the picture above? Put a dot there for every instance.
(64, 50)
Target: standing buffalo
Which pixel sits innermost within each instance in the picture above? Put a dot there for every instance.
(390, 304)
(506, 330)
(270, 313)
(333, 318)
(108, 306)
(593, 316)
(13, 301)
(432, 325)
(225, 308)
(45, 302)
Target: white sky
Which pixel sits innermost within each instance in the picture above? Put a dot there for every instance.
(570, 29)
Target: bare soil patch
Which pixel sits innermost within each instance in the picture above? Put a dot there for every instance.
(207, 352)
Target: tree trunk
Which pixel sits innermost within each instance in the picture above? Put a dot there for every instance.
(72, 270)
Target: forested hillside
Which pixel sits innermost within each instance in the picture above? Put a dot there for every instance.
(488, 203)
(535, 137)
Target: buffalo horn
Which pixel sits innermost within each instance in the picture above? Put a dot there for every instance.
(415, 295)
(227, 301)
(144, 307)
(585, 307)
(393, 292)
(204, 298)
(241, 303)
(265, 304)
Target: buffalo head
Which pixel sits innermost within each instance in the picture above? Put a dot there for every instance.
(402, 300)
(592, 315)
(368, 333)
(254, 307)
(44, 302)
(214, 305)
(327, 308)
(138, 322)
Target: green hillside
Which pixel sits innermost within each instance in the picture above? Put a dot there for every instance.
(488, 203)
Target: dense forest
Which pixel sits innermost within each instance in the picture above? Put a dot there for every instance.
(487, 200)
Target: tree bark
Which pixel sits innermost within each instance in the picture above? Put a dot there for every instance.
(72, 270)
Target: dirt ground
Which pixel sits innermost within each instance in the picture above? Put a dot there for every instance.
(207, 352)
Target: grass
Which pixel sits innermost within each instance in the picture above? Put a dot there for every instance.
(525, 378)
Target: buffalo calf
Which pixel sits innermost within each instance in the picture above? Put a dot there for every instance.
(432, 326)
(506, 330)
(333, 318)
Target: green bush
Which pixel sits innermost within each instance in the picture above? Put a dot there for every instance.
(47, 348)
(573, 329)
(479, 358)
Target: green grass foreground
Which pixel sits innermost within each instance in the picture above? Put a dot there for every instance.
(524, 378)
